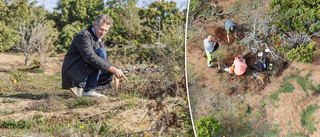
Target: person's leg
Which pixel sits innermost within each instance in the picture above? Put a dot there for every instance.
(104, 81)
(231, 69)
(105, 78)
(92, 79)
(209, 59)
(254, 67)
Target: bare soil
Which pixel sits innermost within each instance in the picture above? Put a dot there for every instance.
(286, 112)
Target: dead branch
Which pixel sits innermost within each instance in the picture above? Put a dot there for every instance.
(36, 39)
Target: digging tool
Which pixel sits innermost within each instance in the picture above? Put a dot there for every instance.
(261, 80)
(255, 75)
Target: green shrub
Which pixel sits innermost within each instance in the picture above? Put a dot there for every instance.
(8, 101)
(304, 83)
(37, 70)
(307, 120)
(207, 126)
(17, 76)
(37, 116)
(302, 53)
(80, 102)
(300, 15)
(285, 88)
(12, 124)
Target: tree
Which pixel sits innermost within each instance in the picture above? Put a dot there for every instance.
(300, 15)
(159, 17)
(255, 18)
(67, 34)
(36, 39)
(84, 11)
(72, 16)
(126, 26)
(10, 12)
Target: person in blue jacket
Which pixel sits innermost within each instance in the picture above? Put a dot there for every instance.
(231, 28)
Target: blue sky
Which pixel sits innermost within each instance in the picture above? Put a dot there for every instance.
(50, 4)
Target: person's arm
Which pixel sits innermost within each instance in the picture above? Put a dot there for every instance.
(228, 35)
(83, 44)
(213, 44)
(235, 33)
(117, 73)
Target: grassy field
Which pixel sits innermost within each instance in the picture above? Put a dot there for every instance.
(151, 103)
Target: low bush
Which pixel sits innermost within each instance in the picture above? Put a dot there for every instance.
(80, 102)
(302, 53)
(207, 126)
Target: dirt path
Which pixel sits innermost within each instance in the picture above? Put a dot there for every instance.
(10, 62)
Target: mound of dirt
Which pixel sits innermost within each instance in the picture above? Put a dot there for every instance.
(236, 84)
(221, 34)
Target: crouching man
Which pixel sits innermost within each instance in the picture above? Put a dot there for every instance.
(86, 67)
(262, 63)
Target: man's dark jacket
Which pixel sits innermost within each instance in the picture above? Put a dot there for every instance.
(80, 57)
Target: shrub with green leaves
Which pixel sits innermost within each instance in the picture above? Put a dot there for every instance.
(12, 124)
(17, 76)
(300, 15)
(303, 53)
(67, 34)
(207, 126)
(80, 102)
(308, 119)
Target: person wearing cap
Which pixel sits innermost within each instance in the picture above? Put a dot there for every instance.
(210, 45)
(239, 66)
(261, 63)
(231, 28)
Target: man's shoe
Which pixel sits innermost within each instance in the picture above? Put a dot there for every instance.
(103, 87)
(77, 91)
(92, 93)
(211, 67)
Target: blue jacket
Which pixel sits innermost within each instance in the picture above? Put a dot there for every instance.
(228, 25)
(80, 57)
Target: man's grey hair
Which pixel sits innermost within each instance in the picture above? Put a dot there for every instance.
(105, 18)
(210, 36)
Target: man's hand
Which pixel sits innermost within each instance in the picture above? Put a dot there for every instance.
(114, 79)
(117, 75)
(235, 35)
(214, 44)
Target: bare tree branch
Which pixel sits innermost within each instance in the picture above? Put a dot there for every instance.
(36, 39)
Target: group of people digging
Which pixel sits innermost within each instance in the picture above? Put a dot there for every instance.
(239, 65)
